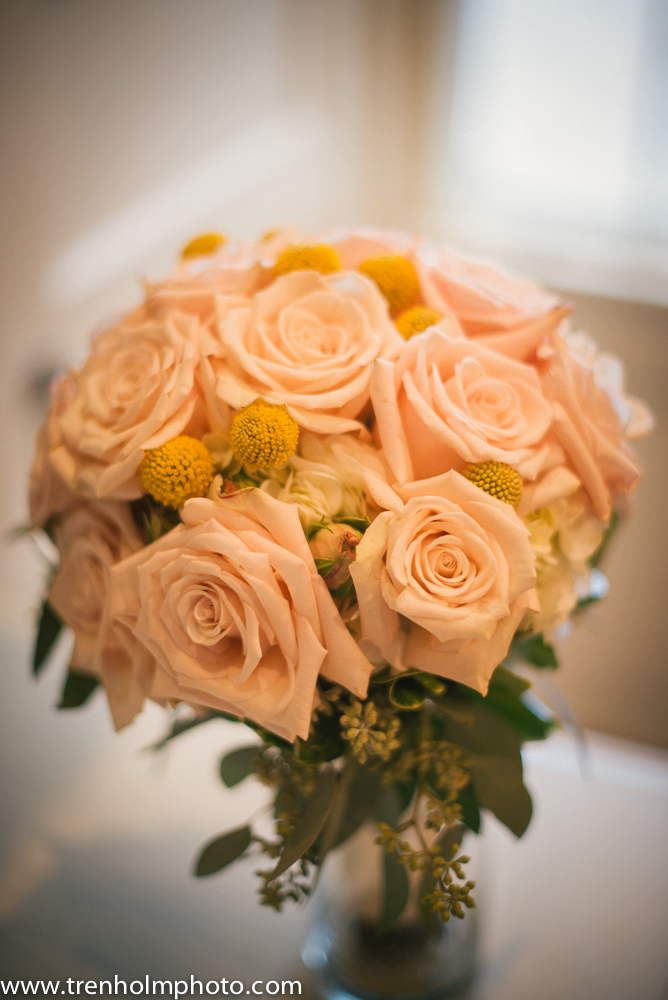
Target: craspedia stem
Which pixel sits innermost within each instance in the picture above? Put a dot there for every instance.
(177, 471)
(497, 479)
(264, 434)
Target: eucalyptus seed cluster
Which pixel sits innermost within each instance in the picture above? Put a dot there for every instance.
(370, 731)
(441, 894)
(295, 884)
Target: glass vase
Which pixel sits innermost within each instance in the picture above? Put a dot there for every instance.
(352, 956)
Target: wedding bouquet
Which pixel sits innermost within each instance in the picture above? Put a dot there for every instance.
(336, 487)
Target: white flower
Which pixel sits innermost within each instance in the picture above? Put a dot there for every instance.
(564, 535)
(326, 478)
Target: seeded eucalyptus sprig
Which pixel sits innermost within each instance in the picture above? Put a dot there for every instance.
(419, 758)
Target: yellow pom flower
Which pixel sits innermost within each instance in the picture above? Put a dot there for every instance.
(415, 320)
(178, 470)
(497, 479)
(307, 257)
(396, 278)
(203, 245)
(264, 434)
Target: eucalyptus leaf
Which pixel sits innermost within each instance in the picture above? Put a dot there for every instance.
(388, 807)
(238, 764)
(354, 800)
(505, 680)
(462, 710)
(222, 851)
(505, 696)
(309, 822)
(498, 786)
(470, 808)
(527, 724)
(535, 651)
(395, 890)
(180, 726)
(325, 741)
(78, 689)
(488, 733)
(48, 630)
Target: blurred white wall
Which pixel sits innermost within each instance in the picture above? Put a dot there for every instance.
(129, 125)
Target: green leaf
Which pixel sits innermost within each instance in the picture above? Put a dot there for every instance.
(535, 651)
(48, 630)
(395, 890)
(325, 741)
(313, 529)
(358, 523)
(498, 785)
(309, 822)
(505, 680)
(435, 685)
(462, 710)
(360, 803)
(505, 697)
(222, 851)
(180, 726)
(78, 689)
(325, 566)
(610, 531)
(238, 764)
(346, 589)
(488, 733)
(470, 808)
(408, 692)
(388, 807)
(527, 724)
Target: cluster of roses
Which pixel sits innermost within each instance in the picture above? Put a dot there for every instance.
(380, 453)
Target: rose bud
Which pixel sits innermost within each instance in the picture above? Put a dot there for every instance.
(336, 543)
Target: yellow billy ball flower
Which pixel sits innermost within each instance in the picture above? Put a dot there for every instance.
(178, 470)
(396, 278)
(264, 434)
(497, 479)
(203, 245)
(415, 320)
(307, 257)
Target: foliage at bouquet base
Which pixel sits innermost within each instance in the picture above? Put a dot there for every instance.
(336, 487)
(419, 757)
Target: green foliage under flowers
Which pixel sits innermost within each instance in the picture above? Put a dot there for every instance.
(419, 758)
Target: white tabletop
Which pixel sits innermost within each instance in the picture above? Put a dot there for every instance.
(98, 839)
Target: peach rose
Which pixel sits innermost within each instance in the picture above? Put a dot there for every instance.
(510, 315)
(232, 607)
(593, 418)
(484, 300)
(196, 281)
(92, 539)
(446, 403)
(308, 341)
(136, 391)
(444, 578)
(49, 495)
